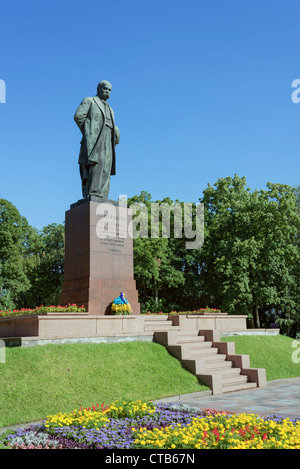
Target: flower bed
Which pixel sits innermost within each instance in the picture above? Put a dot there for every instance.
(70, 308)
(139, 425)
(198, 311)
(117, 308)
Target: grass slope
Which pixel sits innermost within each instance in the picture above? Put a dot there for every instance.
(48, 379)
(274, 353)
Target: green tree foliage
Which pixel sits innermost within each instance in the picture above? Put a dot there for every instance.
(249, 263)
(31, 261)
(297, 190)
(155, 257)
(250, 259)
(47, 268)
(15, 236)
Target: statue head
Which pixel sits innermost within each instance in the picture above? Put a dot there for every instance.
(104, 89)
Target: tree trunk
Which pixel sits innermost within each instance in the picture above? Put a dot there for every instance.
(251, 320)
(256, 317)
(155, 292)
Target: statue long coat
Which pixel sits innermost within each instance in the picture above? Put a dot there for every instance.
(90, 118)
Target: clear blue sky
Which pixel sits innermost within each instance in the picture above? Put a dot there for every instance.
(200, 89)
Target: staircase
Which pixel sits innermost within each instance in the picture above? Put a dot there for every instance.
(215, 363)
(159, 323)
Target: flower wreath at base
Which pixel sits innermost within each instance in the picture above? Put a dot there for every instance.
(121, 306)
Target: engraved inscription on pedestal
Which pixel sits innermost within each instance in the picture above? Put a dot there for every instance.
(114, 245)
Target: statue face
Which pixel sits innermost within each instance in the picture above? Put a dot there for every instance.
(105, 90)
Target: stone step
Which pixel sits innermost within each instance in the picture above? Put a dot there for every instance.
(184, 352)
(194, 348)
(190, 340)
(163, 317)
(157, 322)
(189, 334)
(160, 327)
(226, 372)
(207, 363)
(201, 344)
(231, 387)
(202, 353)
(233, 378)
(220, 366)
(209, 358)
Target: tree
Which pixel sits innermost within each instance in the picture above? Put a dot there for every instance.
(250, 259)
(155, 258)
(31, 261)
(47, 268)
(154, 268)
(15, 235)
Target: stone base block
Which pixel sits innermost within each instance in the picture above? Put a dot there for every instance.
(98, 257)
(213, 321)
(68, 325)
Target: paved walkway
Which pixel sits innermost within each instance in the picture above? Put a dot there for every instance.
(281, 397)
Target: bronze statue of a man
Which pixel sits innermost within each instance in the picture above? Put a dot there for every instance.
(97, 158)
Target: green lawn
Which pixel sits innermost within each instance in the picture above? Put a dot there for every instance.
(43, 380)
(274, 353)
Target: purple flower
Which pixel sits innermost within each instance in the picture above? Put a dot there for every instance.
(117, 433)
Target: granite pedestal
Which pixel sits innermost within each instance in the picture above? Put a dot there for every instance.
(98, 256)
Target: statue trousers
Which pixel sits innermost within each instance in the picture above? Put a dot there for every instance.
(96, 177)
